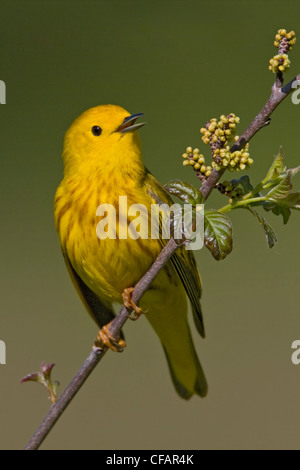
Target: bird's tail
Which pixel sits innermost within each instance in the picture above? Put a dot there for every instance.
(169, 320)
(188, 379)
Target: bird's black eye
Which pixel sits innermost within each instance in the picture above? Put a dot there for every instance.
(96, 131)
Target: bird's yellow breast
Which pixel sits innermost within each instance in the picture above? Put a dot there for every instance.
(107, 265)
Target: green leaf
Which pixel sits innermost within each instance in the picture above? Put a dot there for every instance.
(244, 182)
(217, 234)
(277, 168)
(278, 210)
(283, 189)
(292, 201)
(284, 211)
(282, 185)
(284, 205)
(269, 232)
(280, 198)
(185, 192)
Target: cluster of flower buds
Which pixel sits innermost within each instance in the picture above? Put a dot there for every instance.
(283, 37)
(284, 41)
(194, 158)
(217, 133)
(279, 63)
(238, 160)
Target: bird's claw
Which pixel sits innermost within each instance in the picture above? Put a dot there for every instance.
(105, 338)
(128, 302)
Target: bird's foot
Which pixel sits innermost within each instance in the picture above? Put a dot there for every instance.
(105, 338)
(128, 302)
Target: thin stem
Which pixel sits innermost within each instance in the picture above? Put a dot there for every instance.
(237, 204)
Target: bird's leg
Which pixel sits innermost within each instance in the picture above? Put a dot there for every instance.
(128, 302)
(105, 338)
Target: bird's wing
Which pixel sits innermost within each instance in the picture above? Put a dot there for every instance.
(99, 311)
(183, 260)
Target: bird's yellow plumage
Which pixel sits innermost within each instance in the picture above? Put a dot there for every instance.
(102, 161)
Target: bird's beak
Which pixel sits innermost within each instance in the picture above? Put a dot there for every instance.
(128, 125)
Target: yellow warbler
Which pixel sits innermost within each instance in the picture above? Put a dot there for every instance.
(102, 161)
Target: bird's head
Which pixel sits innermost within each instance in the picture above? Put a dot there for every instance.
(100, 138)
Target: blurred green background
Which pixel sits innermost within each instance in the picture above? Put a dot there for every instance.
(181, 63)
